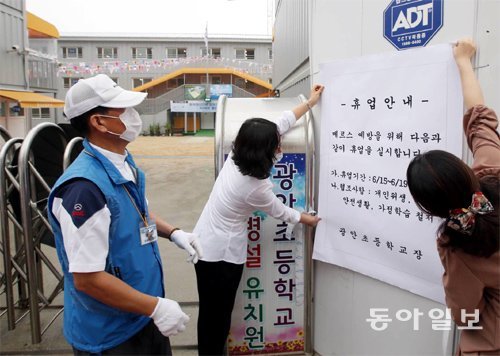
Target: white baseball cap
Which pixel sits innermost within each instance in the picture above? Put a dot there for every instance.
(100, 90)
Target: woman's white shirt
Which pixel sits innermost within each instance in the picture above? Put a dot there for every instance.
(222, 226)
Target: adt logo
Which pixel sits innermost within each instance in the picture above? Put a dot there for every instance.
(412, 23)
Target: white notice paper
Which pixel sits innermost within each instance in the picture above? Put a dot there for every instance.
(378, 112)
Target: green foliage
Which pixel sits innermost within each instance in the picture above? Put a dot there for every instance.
(157, 129)
(168, 129)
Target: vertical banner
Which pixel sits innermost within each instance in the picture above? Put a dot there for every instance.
(268, 315)
(378, 112)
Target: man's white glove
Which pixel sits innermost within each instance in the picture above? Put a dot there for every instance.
(169, 317)
(189, 242)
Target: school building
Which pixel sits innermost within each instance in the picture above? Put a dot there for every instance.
(183, 74)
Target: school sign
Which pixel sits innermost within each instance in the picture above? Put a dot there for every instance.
(412, 23)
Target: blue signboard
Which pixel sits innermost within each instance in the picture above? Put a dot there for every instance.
(412, 23)
(217, 90)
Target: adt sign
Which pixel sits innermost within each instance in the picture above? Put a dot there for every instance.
(412, 23)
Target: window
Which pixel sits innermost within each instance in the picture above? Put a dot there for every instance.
(240, 54)
(239, 82)
(136, 82)
(69, 82)
(114, 79)
(175, 82)
(40, 113)
(212, 79)
(245, 53)
(72, 52)
(3, 110)
(176, 52)
(270, 53)
(142, 52)
(107, 52)
(212, 52)
(40, 73)
(244, 84)
(216, 52)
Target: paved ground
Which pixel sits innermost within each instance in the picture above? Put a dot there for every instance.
(180, 175)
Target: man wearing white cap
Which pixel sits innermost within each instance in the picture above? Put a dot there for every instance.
(106, 238)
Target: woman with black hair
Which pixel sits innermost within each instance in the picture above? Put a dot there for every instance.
(468, 199)
(242, 187)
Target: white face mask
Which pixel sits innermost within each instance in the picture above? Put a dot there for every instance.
(278, 157)
(133, 125)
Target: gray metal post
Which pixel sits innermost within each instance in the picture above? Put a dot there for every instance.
(69, 150)
(309, 231)
(26, 212)
(5, 233)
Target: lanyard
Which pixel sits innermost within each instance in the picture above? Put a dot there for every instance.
(135, 206)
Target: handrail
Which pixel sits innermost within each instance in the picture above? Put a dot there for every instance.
(69, 151)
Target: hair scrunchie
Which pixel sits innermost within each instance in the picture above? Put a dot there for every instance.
(463, 219)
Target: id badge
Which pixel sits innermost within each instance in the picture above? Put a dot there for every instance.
(148, 233)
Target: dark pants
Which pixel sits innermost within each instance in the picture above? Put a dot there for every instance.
(148, 341)
(217, 286)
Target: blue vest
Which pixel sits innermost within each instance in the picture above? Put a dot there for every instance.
(90, 325)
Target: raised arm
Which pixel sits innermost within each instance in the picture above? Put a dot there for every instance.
(302, 108)
(290, 117)
(480, 122)
(463, 52)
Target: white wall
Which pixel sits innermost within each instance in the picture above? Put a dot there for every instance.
(351, 28)
(17, 126)
(207, 120)
(159, 118)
